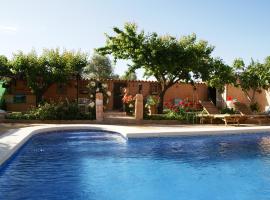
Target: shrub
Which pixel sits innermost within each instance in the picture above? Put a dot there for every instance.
(228, 111)
(183, 111)
(55, 111)
(96, 86)
(183, 107)
(254, 107)
(3, 104)
(152, 101)
(167, 116)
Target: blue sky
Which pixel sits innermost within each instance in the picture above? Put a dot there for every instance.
(237, 28)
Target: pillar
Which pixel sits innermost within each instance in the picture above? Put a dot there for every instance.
(139, 107)
(99, 107)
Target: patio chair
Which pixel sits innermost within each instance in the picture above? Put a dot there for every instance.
(210, 112)
(209, 109)
(244, 110)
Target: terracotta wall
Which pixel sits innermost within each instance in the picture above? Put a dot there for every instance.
(19, 87)
(177, 91)
(184, 91)
(20, 107)
(133, 87)
(262, 98)
(52, 94)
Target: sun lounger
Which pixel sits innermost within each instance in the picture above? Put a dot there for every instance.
(211, 113)
(244, 110)
(227, 118)
(209, 107)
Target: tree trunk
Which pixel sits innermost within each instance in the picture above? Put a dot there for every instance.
(38, 98)
(164, 88)
(161, 101)
(40, 92)
(253, 96)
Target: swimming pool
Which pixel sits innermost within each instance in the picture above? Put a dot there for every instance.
(101, 165)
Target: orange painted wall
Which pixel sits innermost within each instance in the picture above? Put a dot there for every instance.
(262, 98)
(20, 107)
(177, 91)
(184, 91)
(52, 94)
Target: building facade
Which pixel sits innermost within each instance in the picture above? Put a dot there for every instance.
(20, 98)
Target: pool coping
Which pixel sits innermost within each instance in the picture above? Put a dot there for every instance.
(13, 140)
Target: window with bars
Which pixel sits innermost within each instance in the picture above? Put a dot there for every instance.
(19, 98)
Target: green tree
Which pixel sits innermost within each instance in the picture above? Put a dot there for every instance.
(168, 59)
(4, 67)
(252, 78)
(219, 75)
(129, 76)
(52, 66)
(99, 67)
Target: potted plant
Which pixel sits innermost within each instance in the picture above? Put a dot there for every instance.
(128, 103)
(231, 102)
(151, 104)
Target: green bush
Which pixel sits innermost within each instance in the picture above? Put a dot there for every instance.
(3, 105)
(152, 101)
(55, 111)
(174, 113)
(228, 111)
(167, 116)
(254, 107)
(159, 117)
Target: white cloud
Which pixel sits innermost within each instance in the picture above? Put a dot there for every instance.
(11, 29)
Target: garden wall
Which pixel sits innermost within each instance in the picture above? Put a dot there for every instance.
(68, 91)
(184, 91)
(262, 98)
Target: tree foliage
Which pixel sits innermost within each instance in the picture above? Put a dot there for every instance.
(168, 59)
(219, 75)
(129, 75)
(4, 67)
(50, 67)
(252, 77)
(99, 67)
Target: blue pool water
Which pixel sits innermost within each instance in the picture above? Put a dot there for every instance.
(97, 165)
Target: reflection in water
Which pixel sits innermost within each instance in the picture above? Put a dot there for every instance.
(265, 145)
(100, 165)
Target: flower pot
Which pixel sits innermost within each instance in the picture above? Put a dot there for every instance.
(230, 104)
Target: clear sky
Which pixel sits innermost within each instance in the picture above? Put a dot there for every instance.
(237, 28)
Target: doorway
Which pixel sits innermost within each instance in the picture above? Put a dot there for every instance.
(118, 95)
(212, 95)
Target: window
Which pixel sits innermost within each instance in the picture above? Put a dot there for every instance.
(19, 98)
(61, 88)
